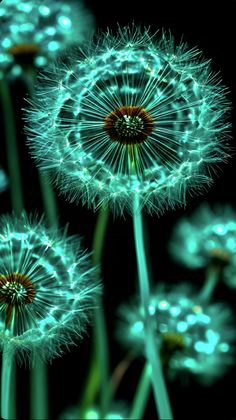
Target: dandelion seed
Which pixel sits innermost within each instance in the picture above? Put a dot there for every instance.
(191, 337)
(46, 288)
(132, 116)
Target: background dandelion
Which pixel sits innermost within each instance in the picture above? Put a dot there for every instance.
(190, 338)
(40, 29)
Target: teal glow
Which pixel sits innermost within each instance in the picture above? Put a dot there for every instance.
(209, 235)
(207, 332)
(4, 181)
(92, 414)
(48, 277)
(49, 27)
(131, 69)
(119, 410)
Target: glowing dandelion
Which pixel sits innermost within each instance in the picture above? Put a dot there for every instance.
(208, 237)
(190, 337)
(45, 289)
(41, 29)
(133, 116)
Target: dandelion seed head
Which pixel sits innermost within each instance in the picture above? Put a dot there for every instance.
(40, 29)
(47, 288)
(192, 338)
(133, 115)
(207, 237)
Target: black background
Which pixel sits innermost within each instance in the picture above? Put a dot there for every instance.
(212, 27)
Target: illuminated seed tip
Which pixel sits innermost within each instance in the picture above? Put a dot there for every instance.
(129, 125)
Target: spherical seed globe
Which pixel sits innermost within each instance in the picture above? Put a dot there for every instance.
(41, 28)
(192, 338)
(133, 115)
(208, 236)
(47, 288)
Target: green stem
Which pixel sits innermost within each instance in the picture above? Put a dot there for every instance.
(49, 199)
(12, 149)
(158, 381)
(98, 376)
(212, 278)
(6, 400)
(39, 373)
(39, 391)
(141, 394)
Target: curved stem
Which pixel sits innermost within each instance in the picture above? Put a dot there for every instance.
(141, 394)
(7, 364)
(98, 376)
(212, 278)
(12, 149)
(120, 371)
(158, 381)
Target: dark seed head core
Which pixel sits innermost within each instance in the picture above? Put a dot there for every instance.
(129, 125)
(15, 290)
(21, 49)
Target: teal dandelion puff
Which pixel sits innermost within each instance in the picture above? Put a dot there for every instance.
(131, 116)
(207, 239)
(193, 339)
(47, 289)
(41, 29)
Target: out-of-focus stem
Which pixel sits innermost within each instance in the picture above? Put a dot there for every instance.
(49, 199)
(11, 149)
(98, 375)
(212, 278)
(141, 394)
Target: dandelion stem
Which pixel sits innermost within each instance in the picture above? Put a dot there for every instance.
(142, 393)
(7, 364)
(47, 191)
(98, 376)
(212, 278)
(39, 391)
(12, 149)
(49, 199)
(158, 381)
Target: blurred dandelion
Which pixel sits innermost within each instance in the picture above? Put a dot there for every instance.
(41, 29)
(132, 116)
(4, 182)
(118, 411)
(45, 288)
(207, 238)
(190, 337)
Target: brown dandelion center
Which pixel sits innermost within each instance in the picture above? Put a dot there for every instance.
(172, 342)
(16, 289)
(129, 125)
(220, 256)
(20, 49)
